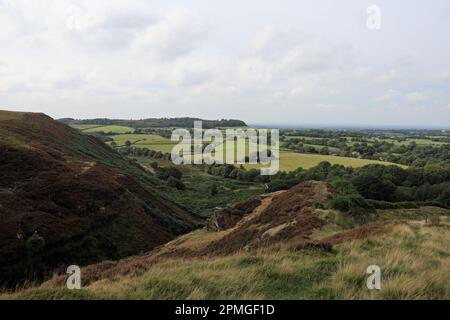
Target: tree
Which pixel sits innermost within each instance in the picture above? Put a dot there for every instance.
(344, 186)
(214, 190)
(353, 204)
(371, 186)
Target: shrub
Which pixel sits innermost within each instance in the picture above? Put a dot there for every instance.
(175, 183)
(214, 190)
(344, 186)
(166, 173)
(35, 244)
(354, 204)
(279, 184)
(384, 205)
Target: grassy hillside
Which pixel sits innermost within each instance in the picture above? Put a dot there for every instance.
(411, 248)
(67, 197)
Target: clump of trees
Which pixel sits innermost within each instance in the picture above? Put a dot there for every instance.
(354, 204)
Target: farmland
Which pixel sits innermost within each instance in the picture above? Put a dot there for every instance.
(289, 160)
(109, 128)
(150, 141)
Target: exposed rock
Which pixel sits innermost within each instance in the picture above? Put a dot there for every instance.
(225, 218)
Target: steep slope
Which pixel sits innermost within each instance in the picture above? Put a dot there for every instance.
(67, 198)
(282, 218)
(280, 246)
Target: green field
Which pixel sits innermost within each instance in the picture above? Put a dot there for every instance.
(421, 142)
(111, 128)
(150, 141)
(83, 127)
(290, 161)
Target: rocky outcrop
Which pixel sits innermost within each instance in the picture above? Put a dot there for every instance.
(225, 218)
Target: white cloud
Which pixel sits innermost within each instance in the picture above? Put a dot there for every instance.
(114, 29)
(297, 91)
(387, 76)
(388, 95)
(176, 34)
(415, 97)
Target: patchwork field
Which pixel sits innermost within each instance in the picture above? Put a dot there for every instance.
(289, 160)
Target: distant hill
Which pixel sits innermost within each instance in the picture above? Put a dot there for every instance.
(157, 123)
(67, 198)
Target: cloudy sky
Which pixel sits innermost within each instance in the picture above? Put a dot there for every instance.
(284, 62)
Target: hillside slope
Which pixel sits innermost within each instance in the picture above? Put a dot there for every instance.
(280, 247)
(67, 198)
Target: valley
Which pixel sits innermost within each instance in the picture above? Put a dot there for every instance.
(106, 196)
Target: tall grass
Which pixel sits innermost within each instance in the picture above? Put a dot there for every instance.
(414, 259)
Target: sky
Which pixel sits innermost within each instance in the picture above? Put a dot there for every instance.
(281, 62)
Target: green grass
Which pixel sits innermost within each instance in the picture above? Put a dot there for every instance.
(421, 142)
(290, 161)
(7, 138)
(111, 128)
(82, 127)
(150, 141)
(10, 115)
